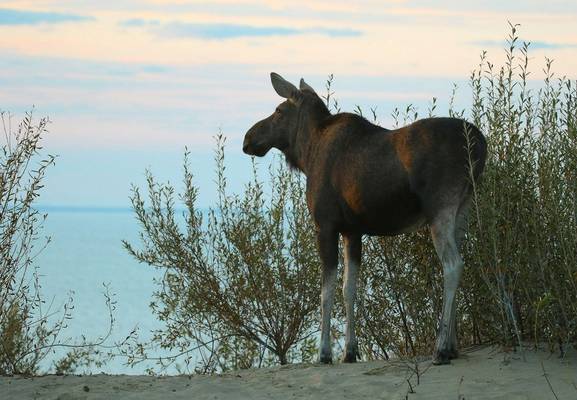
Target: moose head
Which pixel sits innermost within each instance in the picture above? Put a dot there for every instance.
(289, 124)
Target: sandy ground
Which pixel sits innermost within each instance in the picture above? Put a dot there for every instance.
(486, 373)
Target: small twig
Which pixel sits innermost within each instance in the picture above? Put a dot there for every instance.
(414, 371)
(459, 394)
(548, 381)
(410, 386)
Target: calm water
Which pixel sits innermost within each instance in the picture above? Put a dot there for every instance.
(85, 252)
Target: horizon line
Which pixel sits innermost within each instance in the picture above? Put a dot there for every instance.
(96, 209)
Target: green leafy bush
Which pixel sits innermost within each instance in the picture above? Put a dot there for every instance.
(30, 331)
(25, 336)
(241, 283)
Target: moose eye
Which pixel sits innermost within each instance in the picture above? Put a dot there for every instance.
(278, 111)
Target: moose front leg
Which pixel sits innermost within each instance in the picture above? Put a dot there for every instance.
(328, 250)
(352, 252)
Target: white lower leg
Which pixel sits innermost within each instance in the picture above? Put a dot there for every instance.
(444, 239)
(349, 295)
(446, 341)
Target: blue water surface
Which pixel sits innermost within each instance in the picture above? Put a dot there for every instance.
(85, 253)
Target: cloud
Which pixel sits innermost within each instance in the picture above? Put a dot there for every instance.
(20, 17)
(139, 22)
(230, 31)
(532, 44)
(13, 64)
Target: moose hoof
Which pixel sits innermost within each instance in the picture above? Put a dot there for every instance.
(351, 354)
(349, 357)
(443, 357)
(325, 358)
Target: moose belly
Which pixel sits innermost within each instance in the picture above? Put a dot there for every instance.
(386, 216)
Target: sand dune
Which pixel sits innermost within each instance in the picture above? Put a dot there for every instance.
(486, 373)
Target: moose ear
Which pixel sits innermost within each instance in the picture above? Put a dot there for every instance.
(305, 86)
(282, 87)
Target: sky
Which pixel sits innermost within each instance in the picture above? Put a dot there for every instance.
(128, 84)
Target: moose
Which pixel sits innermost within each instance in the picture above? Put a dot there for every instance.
(362, 179)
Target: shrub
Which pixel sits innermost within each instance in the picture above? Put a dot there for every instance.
(241, 282)
(24, 334)
(524, 231)
(30, 331)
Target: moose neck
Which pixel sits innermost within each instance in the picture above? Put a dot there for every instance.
(302, 141)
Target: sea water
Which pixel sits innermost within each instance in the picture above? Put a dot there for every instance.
(84, 254)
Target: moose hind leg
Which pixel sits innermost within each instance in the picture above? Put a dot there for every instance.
(461, 225)
(462, 222)
(443, 234)
(352, 253)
